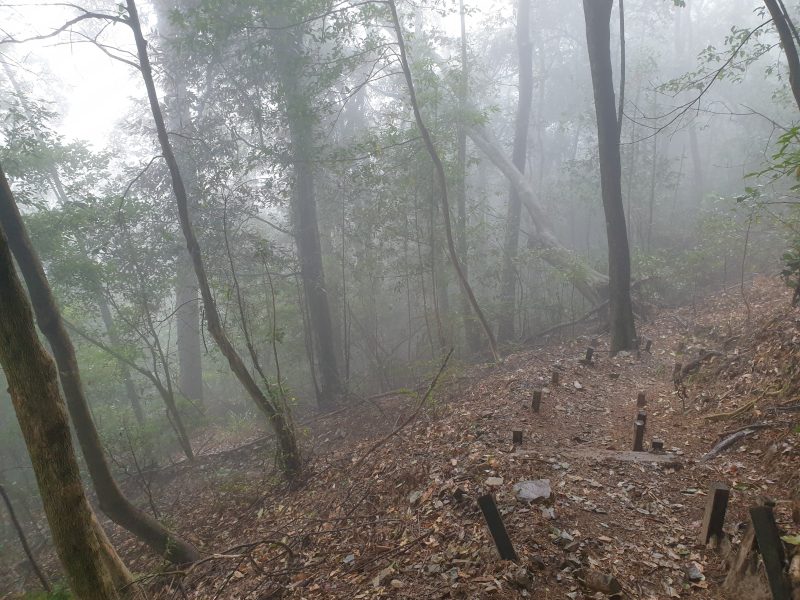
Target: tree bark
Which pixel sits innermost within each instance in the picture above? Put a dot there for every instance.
(437, 162)
(33, 385)
(287, 443)
(23, 540)
(112, 502)
(789, 48)
(592, 284)
(519, 153)
(598, 38)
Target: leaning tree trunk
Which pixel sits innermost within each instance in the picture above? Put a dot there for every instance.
(592, 284)
(287, 443)
(112, 502)
(598, 39)
(508, 296)
(23, 540)
(784, 26)
(437, 163)
(33, 385)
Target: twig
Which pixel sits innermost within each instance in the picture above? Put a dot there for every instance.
(413, 416)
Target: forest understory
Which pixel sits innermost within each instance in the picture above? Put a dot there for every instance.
(404, 523)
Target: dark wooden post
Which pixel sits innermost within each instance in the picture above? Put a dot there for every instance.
(657, 444)
(517, 437)
(642, 416)
(589, 353)
(714, 518)
(537, 400)
(648, 345)
(771, 548)
(496, 527)
(638, 440)
(641, 400)
(555, 377)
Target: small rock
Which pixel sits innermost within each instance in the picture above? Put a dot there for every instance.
(601, 582)
(577, 385)
(414, 497)
(350, 559)
(537, 562)
(523, 579)
(548, 513)
(494, 481)
(693, 574)
(397, 584)
(534, 491)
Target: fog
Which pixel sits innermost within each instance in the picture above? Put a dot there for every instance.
(321, 270)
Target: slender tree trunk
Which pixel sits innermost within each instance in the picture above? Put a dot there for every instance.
(598, 38)
(471, 329)
(23, 540)
(784, 26)
(33, 385)
(130, 388)
(437, 162)
(505, 331)
(276, 415)
(112, 502)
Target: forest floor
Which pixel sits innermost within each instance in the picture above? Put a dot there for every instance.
(404, 523)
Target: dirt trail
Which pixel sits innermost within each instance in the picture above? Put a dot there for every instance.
(406, 524)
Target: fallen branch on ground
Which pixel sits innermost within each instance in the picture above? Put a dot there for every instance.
(726, 443)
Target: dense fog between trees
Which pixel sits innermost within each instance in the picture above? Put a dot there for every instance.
(361, 186)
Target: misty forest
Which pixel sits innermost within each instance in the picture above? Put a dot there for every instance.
(399, 299)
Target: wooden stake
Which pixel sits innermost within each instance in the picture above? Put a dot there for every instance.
(555, 377)
(648, 345)
(537, 400)
(589, 353)
(714, 517)
(771, 548)
(496, 527)
(657, 444)
(641, 400)
(642, 416)
(517, 437)
(638, 440)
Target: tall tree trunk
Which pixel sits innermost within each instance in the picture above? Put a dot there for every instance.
(130, 388)
(598, 38)
(112, 502)
(276, 414)
(519, 150)
(437, 162)
(304, 210)
(33, 385)
(471, 328)
(301, 119)
(187, 313)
